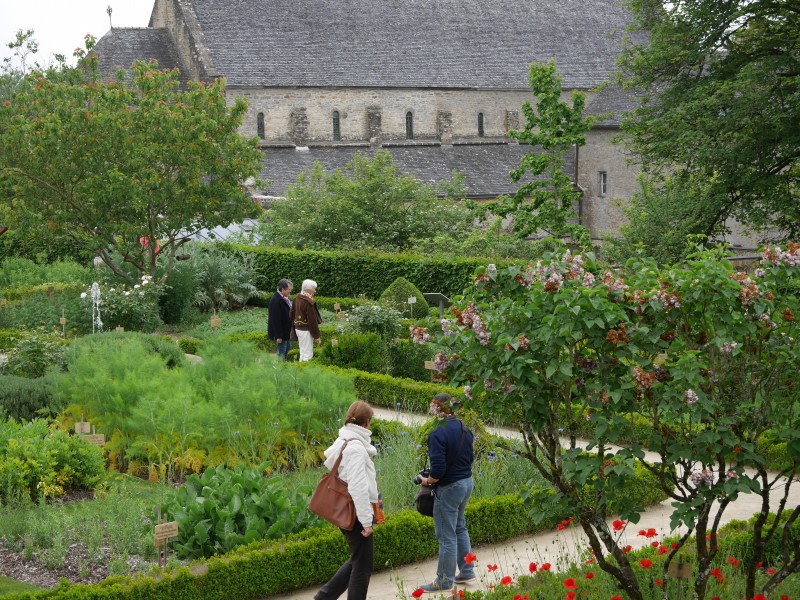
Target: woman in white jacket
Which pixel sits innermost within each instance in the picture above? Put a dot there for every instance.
(358, 470)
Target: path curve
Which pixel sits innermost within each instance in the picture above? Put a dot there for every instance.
(513, 556)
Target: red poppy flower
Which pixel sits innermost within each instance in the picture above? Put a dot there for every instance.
(658, 582)
(643, 532)
(673, 545)
(616, 597)
(759, 597)
(517, 597)
(570, 596)
(590, 575)
(561, 527)
(651, 532)
(506, 580)
(718, 574)
(461, 593)
(532, 567)
(770, 571)
(590, 561)
(491, 567)
(618, 525)
(662, 550)
(627, 549)
(470, 558)
(570, 583)
(645, 563)
(784, 597)
(417, 593)
(546, 567)
(734, 561)
(654, 544)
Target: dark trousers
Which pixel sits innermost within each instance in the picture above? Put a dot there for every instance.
(283, 348)
(353, 575)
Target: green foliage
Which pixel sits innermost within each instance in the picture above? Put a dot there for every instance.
(174, 154)
(33, 352)
(665, 219)
(407, 359)
(554, 127)
(43, 305)
(226, 508)
(177, 295)
(719, 77)
(36, 462)
(236, 407)
(22, 272)
(345, 304)
(333, 271)
(189, 345)
(366, 205)
(223, 280)
(397, 294)
(8, 338)
(258, 338)
(22, 398)
(363, 351)
(374, 318)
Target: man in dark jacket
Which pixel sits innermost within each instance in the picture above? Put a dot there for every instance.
(279, 326)
(451, 455)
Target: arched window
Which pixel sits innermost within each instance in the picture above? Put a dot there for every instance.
(480, 124)
(337, 133)
(409, 125)
(260, 125)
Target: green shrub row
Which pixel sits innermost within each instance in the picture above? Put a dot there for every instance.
(350, 274)
(268, 568)
(23, 398)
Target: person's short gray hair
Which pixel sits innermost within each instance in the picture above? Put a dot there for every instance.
(308, 284)
(284, 284)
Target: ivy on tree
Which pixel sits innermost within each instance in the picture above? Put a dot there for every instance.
(129, 167)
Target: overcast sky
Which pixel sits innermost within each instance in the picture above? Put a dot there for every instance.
(60, 25)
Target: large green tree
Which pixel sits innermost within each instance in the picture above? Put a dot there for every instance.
(129, 167)
(720, 84)
(368, 204)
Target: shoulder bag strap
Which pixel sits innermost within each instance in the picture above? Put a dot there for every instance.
(335, 469)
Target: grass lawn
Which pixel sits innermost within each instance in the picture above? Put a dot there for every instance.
(12, 586)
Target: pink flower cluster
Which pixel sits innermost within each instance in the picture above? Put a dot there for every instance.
(419, 335)
(789, 257)
(691, 397)
(470, 318)
(668, 298)
(704, 477)
(614, 284)
(441, 361)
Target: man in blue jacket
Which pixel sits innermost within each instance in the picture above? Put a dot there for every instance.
(451, 456)
(279, 325)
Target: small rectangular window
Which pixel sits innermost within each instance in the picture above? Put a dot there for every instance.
(602, 183)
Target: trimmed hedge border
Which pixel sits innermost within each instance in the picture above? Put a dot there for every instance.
(302, 560)
(349, 274)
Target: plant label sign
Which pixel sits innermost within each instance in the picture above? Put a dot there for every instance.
(680, 570)
(98, 439)
(341, 315)
(82, 427)
(337, 307)
(119, 329)
(430, 365)
(164, 531)
(412, 300)
(334, 342)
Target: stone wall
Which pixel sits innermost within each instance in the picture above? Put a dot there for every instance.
(452, 112)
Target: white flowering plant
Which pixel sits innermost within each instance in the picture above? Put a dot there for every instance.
(133, 307)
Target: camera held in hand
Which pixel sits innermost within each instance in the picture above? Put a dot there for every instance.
(423, 473)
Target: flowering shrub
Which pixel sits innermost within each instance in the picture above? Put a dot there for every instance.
(374, 318)
(135, 308)
(705, 354)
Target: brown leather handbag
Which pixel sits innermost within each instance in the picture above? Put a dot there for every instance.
(332, 501)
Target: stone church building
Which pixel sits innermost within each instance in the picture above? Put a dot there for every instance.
(438, 83)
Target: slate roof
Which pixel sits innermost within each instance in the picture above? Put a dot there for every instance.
(611, 102)
(485, 44)
(486, 166)
(121, 46)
